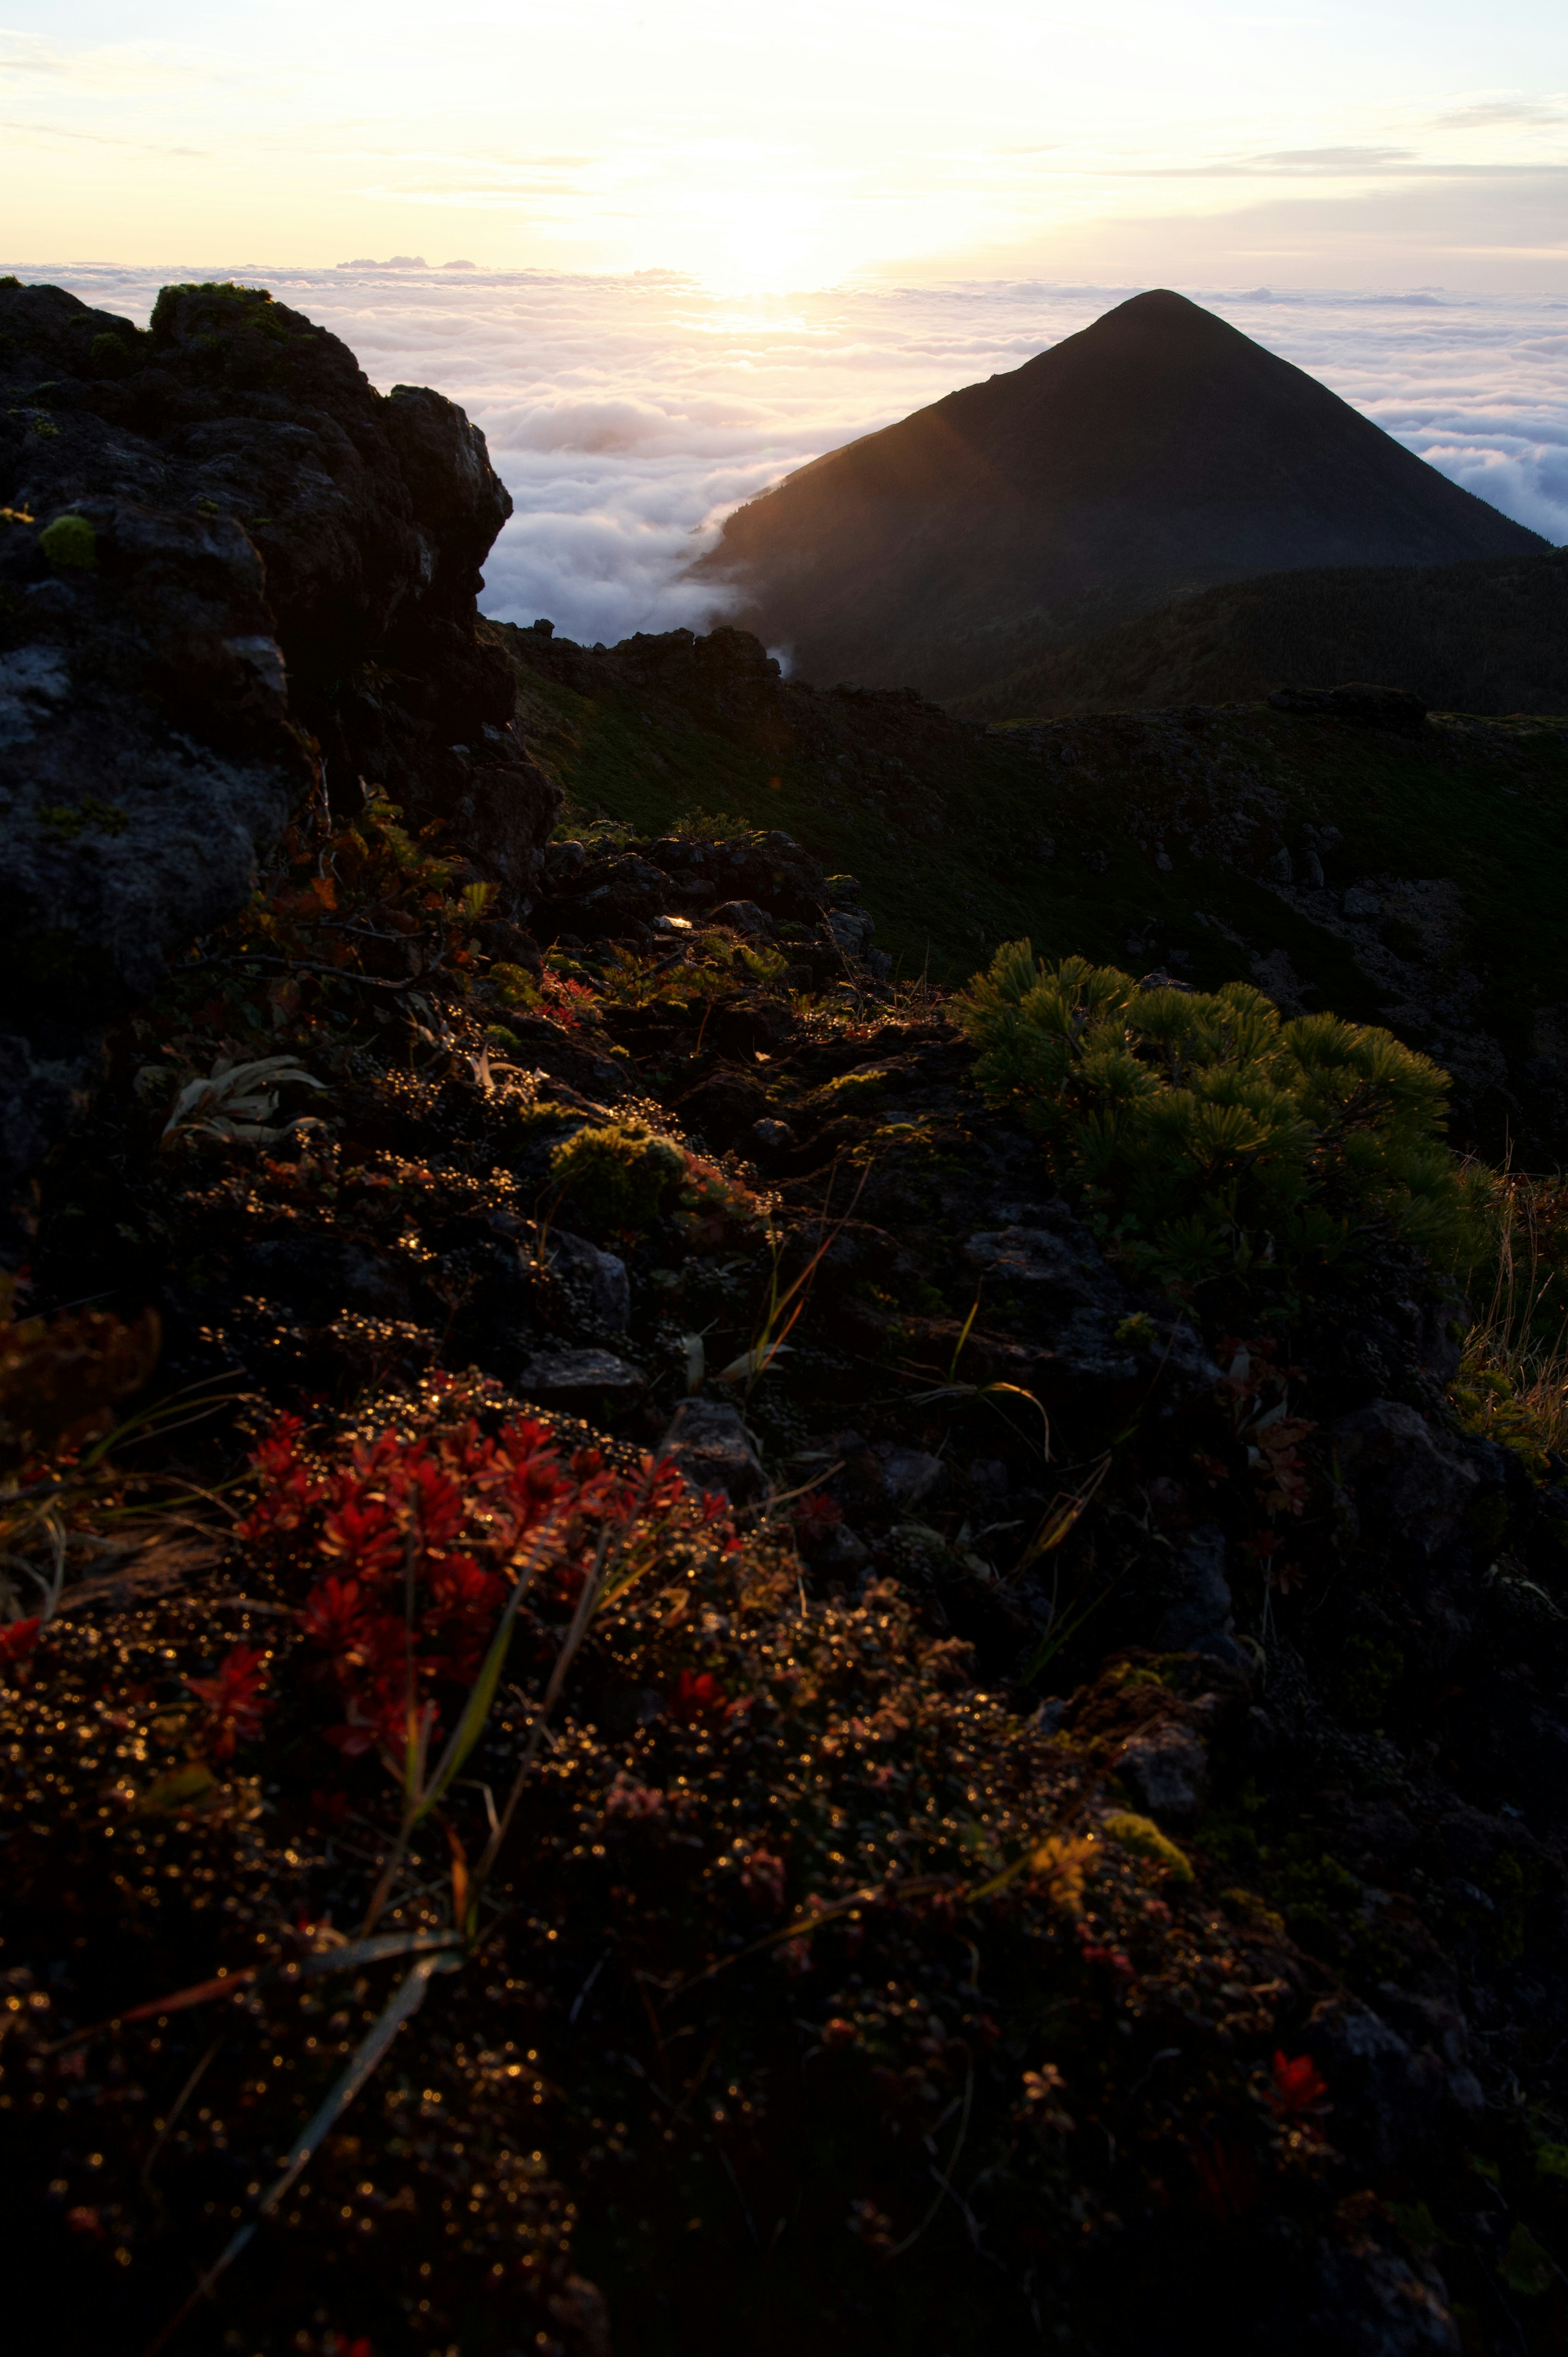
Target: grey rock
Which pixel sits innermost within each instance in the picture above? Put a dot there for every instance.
(1403, 1473)
(1359, 902)
(1053, 1263)
(601, 1275)
(712, 1446)
(906, 1477)
(1166, 1768)
(581, 1379)
(1198, 1617)
(742, 917)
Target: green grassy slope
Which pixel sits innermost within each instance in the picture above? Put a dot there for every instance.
(1138, 839)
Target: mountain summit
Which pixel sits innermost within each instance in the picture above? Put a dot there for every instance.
(1157, 451)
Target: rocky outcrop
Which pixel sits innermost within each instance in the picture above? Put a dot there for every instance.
(229, 571)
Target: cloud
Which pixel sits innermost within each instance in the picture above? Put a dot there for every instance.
(628, 415)
(1494, 114)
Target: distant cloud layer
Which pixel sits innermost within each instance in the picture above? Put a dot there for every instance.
(628, 416)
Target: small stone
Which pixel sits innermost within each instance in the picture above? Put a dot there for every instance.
(602, 1275)
(773, 1136)
(582, 1380)
(1166, 1769)
(712, 1448)
(742, 917)
(1359, 902)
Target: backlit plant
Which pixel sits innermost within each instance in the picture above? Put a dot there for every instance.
(1222, 1132)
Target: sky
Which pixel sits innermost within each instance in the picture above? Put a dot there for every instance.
(663, 255)
(1359, 143)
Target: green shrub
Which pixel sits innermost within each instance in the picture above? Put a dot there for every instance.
(1143, 1837)
(1221, 1134)
(619, 1175)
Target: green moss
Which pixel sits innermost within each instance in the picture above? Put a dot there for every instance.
(1143, 1837)
(66, 821)
(621, 1175)
(71, 540)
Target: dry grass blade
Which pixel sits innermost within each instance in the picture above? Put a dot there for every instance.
(349, 1957)
(238, 1099)
(365, 2061)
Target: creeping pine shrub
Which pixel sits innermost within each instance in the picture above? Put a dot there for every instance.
(618, 1174)
(1223, 1133)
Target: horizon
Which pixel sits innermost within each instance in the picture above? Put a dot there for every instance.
(628, 414)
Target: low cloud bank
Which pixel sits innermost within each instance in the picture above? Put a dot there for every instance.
(629, 415)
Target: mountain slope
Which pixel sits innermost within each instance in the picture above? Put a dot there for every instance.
(1158, 450)
(1487, 638)
(1408, 877)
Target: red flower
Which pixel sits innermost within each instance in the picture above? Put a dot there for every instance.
(696, 1696)
(233, 1699)
(1298, 2087)
(817, 1518)
(762, 1879)
(365, 1537)
(17, 1642)
(334, 1615)
(1226, 2181)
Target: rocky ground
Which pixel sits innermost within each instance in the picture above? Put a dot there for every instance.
(1342, 849)
(1005, 1801)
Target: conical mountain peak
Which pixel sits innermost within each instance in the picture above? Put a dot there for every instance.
(1158, 450)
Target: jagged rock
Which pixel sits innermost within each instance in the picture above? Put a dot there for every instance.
(225, 545)
(581, 1379)
(714, 1450)
(602, 1275)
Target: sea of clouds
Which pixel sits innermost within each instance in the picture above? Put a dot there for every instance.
(628, 415)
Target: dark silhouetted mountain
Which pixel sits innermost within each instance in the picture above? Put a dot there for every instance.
(1487, 638)
(1158, 451)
